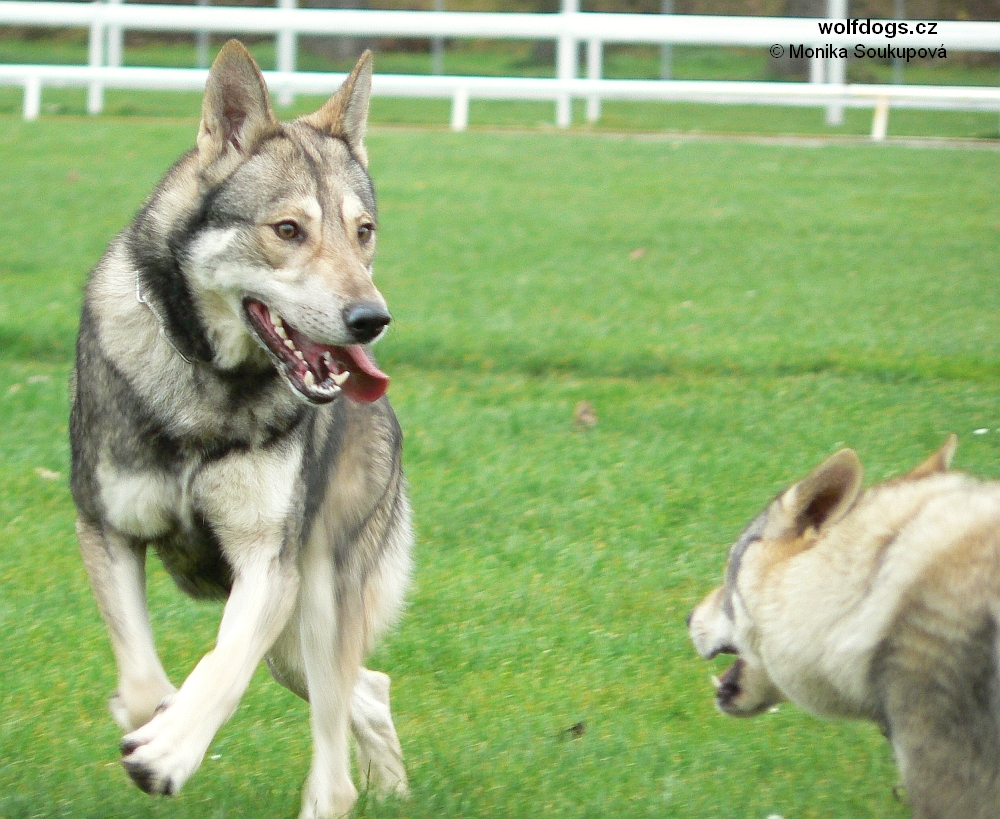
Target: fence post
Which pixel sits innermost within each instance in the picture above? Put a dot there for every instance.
(115, 40)
(836, 67)
(566, 66)
(437, 46)
(899, 12)
(817, 70)
(32, 98)
(201, 44)
(95, 59)
(880, 119)
(460, 109)
(595, 56)
(666, 49)
(287, 41)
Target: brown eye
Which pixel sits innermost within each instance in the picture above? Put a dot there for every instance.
(365, 232)
(287, 230)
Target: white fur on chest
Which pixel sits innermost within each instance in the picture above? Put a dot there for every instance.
(144, 504)
(245, 497)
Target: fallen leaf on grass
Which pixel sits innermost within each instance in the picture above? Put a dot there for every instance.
(47, 474)
(638, 253)
(584, 416)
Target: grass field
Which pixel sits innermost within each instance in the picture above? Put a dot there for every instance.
(734, 312)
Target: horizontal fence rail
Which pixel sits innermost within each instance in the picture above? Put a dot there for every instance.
(568, 29)
(32, 77)
(609, 28)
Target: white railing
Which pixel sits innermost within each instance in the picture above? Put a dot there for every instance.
(106, 20)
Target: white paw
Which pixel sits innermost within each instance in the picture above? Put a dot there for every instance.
(325, 802)
(134, 712)
(161, 755)
(386, 777)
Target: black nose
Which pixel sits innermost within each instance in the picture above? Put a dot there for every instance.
(365, 321)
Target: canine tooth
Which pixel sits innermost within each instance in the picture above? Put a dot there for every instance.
(310, 379)
(275, 320)
(290, 344)
(340, 379)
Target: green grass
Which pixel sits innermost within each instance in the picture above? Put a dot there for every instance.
(786, 300)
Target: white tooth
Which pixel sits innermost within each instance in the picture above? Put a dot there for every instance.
(716, 682)
(339, 379)
(299, 356)
(309, 379)
(279, 328)
(290, 344)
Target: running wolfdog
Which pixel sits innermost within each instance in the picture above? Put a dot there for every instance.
(228, 413)
(880, 604)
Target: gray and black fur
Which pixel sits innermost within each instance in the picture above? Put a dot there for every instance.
(261, 472)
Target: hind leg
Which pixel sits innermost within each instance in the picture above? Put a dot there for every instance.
(117, 573)
(379, 754)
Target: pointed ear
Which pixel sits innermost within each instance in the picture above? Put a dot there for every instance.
(235, 113)
(937, 463)
(826, 494)
(345, 114)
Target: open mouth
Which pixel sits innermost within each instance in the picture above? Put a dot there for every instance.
(727, 687)
(318, 372)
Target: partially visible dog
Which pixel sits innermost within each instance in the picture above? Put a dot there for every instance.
(880, 604)
(227, 412)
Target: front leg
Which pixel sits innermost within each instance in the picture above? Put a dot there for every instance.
(380, 756)
(117, 573)
(331, 626)
(162, 754)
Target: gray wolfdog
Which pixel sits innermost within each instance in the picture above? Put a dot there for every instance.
(226, 412)
(882, 605)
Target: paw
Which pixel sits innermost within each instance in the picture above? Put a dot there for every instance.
(326, 802)
(384, 775)
(134, 711)
(380, 756)
(161, 756)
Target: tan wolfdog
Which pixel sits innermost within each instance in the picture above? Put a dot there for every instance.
(878, 604)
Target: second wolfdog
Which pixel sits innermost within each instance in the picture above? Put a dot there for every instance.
(880, 604)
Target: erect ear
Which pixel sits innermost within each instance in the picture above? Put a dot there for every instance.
(345, 114)
(825, 495)
(235, 113)
(937, 463)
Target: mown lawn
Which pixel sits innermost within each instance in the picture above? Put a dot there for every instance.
(733, 313)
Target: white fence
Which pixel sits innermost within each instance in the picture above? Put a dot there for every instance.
(106, 21)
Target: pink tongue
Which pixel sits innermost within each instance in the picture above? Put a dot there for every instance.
(367, 382)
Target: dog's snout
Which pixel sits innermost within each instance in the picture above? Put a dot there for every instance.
(365, 321)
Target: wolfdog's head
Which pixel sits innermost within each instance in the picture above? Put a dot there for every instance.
(279, 253)
(728, 620)
(749, 614)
